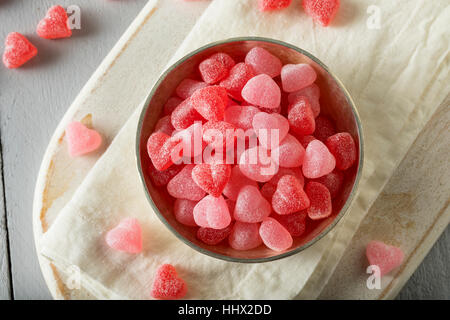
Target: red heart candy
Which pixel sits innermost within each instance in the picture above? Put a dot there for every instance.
(159, 148)
(289, 196)
(54, 25)
(167, 285)
(212, 177)
(18, 50)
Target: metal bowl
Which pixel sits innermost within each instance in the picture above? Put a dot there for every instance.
(335, 102)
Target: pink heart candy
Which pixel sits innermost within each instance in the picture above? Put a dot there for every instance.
(256, 164)
(81, 140)
(290, 153)
(236, 182)
(295, 77)
(251, 206)
(212, 212)
(384, 256)
(126, 236)
(270, 127)
(318, 160)
(262, 91)
(182, 186)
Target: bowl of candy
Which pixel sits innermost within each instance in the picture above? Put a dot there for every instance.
(249, 149)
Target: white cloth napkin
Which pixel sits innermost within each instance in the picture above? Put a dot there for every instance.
(397, 74)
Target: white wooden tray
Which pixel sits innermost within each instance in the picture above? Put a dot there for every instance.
(420, 219)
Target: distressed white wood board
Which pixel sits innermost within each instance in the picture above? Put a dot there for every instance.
(5, 287)
(50, 185)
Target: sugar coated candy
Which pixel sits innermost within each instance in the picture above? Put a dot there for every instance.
(187, 87)
(184, 115)
(296, 172)
(81, 140)
(257, 164)
(312, 93)
(219, 135)
(212, 236)
(384, 256)
(167, 285)
(295, 223)
(212, 177)
(210, 102)
(305, 140)
(216, 67)
(162, 178)
(18, 50)
(323, 11)
(236, 80)
(289, 153)
(267, 190)
(244, 236)
(271, 129)
(343, 147)
(295, 77)
(54, 25)
(241, 116)
(301, 117)
(262, 91)
(183, 210)
(182, 186)
(212, 212)
(164, 124)
(263, 62)
(333, 181)
(159, 148)
(126, 236)
(171, 104)
(251, 206)
(269, 5)
(289, 196)
(274, 235)
(324, 128)
(318, 160)
(188, 143)
(320, 200)
(236, 182)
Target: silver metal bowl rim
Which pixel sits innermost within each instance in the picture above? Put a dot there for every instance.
(344, 209)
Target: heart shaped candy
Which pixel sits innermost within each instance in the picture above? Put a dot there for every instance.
(126, 236)
(251, 206)
(256, 164)
(262, 91)
(54, 25)
(212, 177)
(212, 212)
(318, 160)
(81, 139)
(167, 285)
(386, 257)
(289, 196)
(18, 50)
(270, 126)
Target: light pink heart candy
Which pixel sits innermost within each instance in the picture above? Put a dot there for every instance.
(126, 236)
(262, 91)
(236, 182)
(182, 186)
(290, 153)
(256, 164)
(81, 140)
(295, 77)
(318, 160)
(384, 256)
(251, 206)
(212, 212)
(267, 126)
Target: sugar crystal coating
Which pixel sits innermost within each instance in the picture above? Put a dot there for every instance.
(54, 25)
(184, 115)
(236, 80)
(81, 140)
(167, 285)
(162, 178)
(333, 181)
(295, 77)
(257, 164)
(241, 116)
(269, 5)
(251, 206)
(236, 182)
(188, 144)
(263, 62)
(323, 11)
(183, 210)
(301, 117)
(271, 129)
(289, 196)
(159, 148)
(318, 160)
(212, 212)
(210, 102)
(295, 222)
(312, 93)
(290, 153)
(245, 236)
(216, 67)
(187, 87)
(212, 236)
(384, 256)
(274, 235)
(262, 91)
(212, 177)
(219, 135)
(126, 236)
(182, 186)
(18, 50)
(343, 147)
(320, 200)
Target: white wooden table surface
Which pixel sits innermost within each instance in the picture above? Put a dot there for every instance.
(32, 101)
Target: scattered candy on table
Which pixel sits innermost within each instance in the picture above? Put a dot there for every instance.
(18, 50)
(126, 236)
(54, 25)
(81, 140)
(384, 256)
(167, 285)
